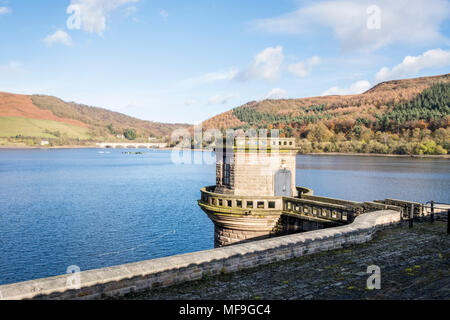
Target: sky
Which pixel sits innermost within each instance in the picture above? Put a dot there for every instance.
(186, 61)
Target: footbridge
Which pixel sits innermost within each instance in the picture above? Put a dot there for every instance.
(134, 145)
(239, 218)
(255, 195)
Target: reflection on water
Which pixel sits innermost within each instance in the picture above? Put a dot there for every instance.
(81, 207)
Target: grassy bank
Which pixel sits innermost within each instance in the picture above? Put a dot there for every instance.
(47, 129)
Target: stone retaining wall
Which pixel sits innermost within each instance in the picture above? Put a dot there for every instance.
(145, 275)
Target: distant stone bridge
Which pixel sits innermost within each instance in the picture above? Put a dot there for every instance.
(135, 145)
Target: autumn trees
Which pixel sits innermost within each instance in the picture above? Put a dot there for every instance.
(386, 123)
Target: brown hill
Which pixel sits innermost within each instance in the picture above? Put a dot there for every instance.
(375, 101)
(104, 122)
(16, 105)
(97, 123)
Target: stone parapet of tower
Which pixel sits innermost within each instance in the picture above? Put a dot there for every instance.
(253, 175)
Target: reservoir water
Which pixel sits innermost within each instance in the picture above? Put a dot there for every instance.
(80, 207)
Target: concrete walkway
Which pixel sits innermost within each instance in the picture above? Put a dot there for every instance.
(415, 264)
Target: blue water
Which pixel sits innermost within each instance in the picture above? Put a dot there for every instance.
(78, 207)
(361, 178)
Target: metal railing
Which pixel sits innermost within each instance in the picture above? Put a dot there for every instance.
(321, 210)
(433, 206)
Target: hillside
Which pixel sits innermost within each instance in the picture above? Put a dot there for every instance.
(27, 119)
(408, 116)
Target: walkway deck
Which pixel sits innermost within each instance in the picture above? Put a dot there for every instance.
(415, 264)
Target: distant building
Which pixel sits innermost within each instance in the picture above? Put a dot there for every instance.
(152, 139)
(120, 136)
(44, 143)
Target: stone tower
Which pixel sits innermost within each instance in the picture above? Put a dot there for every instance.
(252, 177)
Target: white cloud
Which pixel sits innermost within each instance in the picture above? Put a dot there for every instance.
(164, 15)
(222, 99)
(277, 93)
(190, 102)
(210, 77)
(355, 88)
(412, 65)
(220, 76)
(401, 21)
(304, 68)
(129, 11)
(266, 65)
(94, 13)
(5, 10)
(12, 67)
(15, 65)
(58, 37)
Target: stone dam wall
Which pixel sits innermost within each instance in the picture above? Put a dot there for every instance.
(162, 272)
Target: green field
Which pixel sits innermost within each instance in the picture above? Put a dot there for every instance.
(14, 126)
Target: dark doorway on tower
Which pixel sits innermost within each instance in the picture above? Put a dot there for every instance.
(227, 159)
(226, 174)
(283, 183)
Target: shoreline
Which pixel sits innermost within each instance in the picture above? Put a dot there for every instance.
(16, 147)
(427, 156)
(430, 156)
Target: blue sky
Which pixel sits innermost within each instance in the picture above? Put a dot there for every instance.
(185, 61)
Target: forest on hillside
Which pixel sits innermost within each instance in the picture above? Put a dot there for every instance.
(419, 126)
